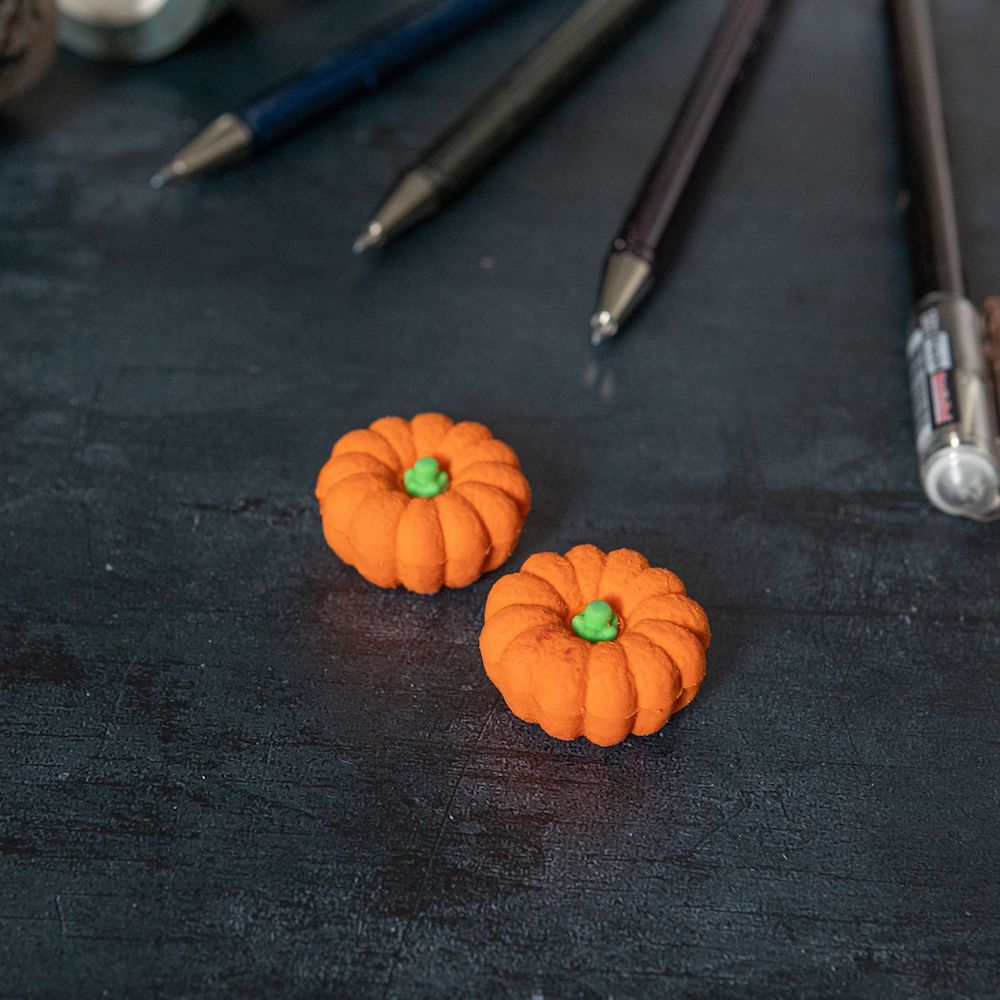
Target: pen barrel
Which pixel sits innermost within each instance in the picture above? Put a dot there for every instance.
(363, 66)
(530, 88)
(955, 407)
(936, 259)
(731, 46)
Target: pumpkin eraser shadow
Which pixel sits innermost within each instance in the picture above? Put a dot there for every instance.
(423, 503)
(593, 644)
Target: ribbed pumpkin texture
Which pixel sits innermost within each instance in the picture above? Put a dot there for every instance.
(593, 644)
(423, 503)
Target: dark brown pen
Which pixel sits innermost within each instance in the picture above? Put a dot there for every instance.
(631, 264)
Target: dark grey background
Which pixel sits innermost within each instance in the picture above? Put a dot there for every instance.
(230, 767)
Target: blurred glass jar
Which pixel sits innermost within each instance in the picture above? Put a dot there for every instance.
(133, 30)
(27, 43)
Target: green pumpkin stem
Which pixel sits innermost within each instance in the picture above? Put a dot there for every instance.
(596, 623)
(425, 479)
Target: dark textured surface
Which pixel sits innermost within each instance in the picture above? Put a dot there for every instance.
(229, 767)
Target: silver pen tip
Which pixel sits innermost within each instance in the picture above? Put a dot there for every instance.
(373, 236)
(602, 327)
(165, 176)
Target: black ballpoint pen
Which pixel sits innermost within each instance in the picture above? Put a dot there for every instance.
(631, 264)
(501, 114)
(952, 373)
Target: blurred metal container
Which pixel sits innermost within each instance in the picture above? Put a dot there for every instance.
(133, 30)
(27, 43)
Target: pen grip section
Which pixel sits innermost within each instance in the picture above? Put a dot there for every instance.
(955, 407)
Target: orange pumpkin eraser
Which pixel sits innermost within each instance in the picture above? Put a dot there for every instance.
(593, 644)
(423, 503)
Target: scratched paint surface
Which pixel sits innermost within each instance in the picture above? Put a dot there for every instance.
(230, 767)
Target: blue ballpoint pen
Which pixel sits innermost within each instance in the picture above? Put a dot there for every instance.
(353, 71)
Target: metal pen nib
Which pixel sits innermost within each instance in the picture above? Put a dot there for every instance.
(163, 176)
(602, 327)
(225, 140)
(370, 237)
(412, 199)
(627, 279)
